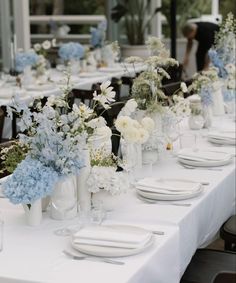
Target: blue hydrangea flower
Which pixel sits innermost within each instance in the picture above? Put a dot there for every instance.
(206, 96)
(98, 35)
(217, 62)
(71, 50)
(30, 181)
(24, 59)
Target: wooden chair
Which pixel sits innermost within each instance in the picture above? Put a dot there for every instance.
(225, 277)
(228, 234)
(207, 264)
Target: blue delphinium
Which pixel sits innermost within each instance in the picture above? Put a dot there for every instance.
(217, 62)
(30, 181)
(71, 50)
(206, 96)
(98, 35)
(24, 59)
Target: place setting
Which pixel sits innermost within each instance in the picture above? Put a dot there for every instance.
(222, 137)
(168, 191)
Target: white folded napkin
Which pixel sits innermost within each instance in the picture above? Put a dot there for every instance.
(112, 236)
(202, 155)
(223, 135)
(167, 186)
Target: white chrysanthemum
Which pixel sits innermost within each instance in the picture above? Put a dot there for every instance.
(123, 123)
(37, 47)
(183, 87)
(46, 44)
(106, 96)
(83, 110)
(148, 124)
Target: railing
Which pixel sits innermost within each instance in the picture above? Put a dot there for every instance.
(62, 19)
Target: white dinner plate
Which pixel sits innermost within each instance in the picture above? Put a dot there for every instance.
(203, 157)
(103, 251)
(162, 196)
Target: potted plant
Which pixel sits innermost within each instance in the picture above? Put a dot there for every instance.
(136, 17)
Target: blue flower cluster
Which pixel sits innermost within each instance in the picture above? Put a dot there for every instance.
(30, 181)
(228, 94)
(206, 96)
(98, 35)
(24, 59)
(217, 62)
(71, 50)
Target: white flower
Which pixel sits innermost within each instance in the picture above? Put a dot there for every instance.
(131, 135)
(106, 96)
(37, 47)
(54, 42)
(133, 59)
(123, 123)
(231, 84)
(148, 124)
(230, 68)
(131, 105)
(83, 111)
(46, 44)
(183, 87)
(143, 135)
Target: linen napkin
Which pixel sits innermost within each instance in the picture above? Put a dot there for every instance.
(224, 135)
(112, 236)
(167, 186)
(202, 155)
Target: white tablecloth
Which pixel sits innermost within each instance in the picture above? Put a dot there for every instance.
(35, 253)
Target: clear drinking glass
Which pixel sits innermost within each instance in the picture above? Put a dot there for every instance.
(97, 213)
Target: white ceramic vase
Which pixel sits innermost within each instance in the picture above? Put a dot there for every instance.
(84, 196)
(64, 199)
(33, 214)
(218, 101)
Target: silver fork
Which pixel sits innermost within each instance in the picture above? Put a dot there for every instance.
(92, 258)
(163, 203)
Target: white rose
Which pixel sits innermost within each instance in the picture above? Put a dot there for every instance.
(143, 135)
(46, 44)
(148, 124)
(37, 47)
(131, 135)
(123, 123)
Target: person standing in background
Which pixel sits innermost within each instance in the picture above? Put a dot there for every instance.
(204, 33)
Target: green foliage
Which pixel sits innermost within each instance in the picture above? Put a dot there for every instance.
(11, 156)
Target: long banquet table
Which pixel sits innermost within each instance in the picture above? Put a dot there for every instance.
(35, 254)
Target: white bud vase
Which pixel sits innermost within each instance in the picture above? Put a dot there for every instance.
(33, 214)
(84, 196)
(218, 101)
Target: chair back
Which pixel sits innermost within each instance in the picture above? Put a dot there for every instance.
(225, 277)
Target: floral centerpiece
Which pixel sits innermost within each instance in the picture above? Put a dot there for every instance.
(71, 51)
(223, 56)
(25, 59)
(98, 35)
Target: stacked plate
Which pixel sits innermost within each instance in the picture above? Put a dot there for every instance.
(224, 137)
(112, 240)
(203, 157)
(168, 189)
